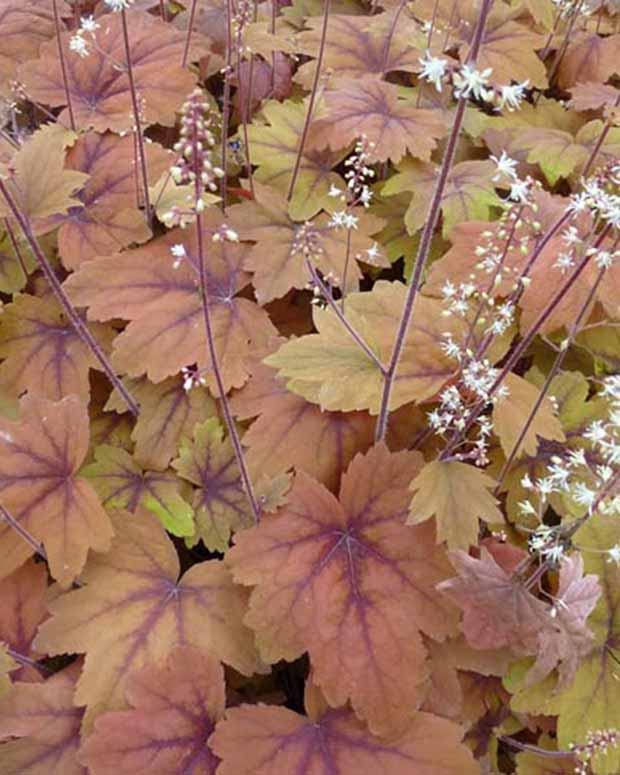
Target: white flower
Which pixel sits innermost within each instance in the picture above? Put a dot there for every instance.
(350, 221)
(613, 554)
(433, 69)
(583, 495)
(337, 219)
(373, 252)
(334, 191)
(519, 191)
(88, 24)
(472, 82)
(505, 166)
(79, 45)
(603, 259)
(118, 5)
(178, 251)
(510, 97)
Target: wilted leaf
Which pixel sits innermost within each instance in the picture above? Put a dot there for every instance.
(47, 723)
(133, 609)
(340, 579)
(162, 302)
(99, 88)
(106, 217)
(22, 611)
(221, 503)
(330, 369)
(261, 740)
(175, 707)
(458, 495)
(274, 147)
(40, 184)
(277, 259)
(373, 108)
(39, 458)
(291, 432)
(42, 352)
(122, 484)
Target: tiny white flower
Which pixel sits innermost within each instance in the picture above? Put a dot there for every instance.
(334, 191)
(88, 24)
(350, 221)
(373, 252)
(118, 5)
(510, 97)
(178, 251)
(603, 259)
(519, 191)
(613, 554)
(471, 82)
(79, 45)
(433, 69)
(505, 166)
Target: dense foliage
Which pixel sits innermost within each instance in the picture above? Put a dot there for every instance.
(309, 387)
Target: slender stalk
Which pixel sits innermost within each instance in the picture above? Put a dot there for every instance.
(535, 748)
(28, 662)
(188, 38)
(345, 271)
(525, 342)
(226, 103)
(137, 120)
(246, 113)
(15, 246)
(63, 65)
(338, 312)
(23, 533)
(427, 235)
(228, 418)
(557, 364)
(390, 35)
(78, 324)
(309, 112)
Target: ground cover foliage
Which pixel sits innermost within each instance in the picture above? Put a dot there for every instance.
(309, 387)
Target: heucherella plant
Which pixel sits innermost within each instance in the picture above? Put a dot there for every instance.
(310, 387)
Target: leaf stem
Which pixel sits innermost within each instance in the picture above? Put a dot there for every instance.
(63, 66)
(28, 662)
(427, 235)
(339, 314)
(309, 112)
(230, 423)
(23, 533)
(188, 38)
(226, 103)
(137, 121)
(78, 324)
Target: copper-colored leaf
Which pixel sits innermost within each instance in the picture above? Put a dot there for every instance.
(264, 740)
(359, 46)
(589, 57)
(274, 147)
(330, 369)
(42, 352)
(99, 85)
(133, 609)
(175, 707)
(39, 458)
(351, 584)
(277, 260)
(458, 495)
(373, 108)
(162, 302)
(221, 503)
(39, 182)
(291, 432)
(47, 723)
(122, 484)
(168, 414)
(23, 609)
(512, 412)
(108, 218)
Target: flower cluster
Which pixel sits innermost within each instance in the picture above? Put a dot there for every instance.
(195, 163)
(587, 478)
(357, 192)
(597, 744)
(78, 42)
